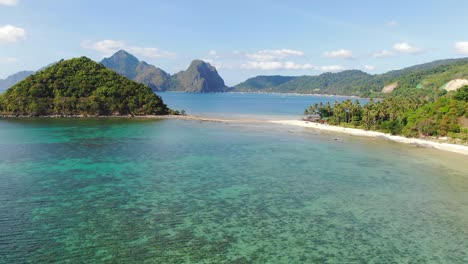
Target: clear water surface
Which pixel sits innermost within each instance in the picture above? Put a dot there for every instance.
(174, 191)
(246, 105)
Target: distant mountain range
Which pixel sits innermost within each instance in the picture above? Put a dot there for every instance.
(202, 77)
(13, 79)
(199, 77)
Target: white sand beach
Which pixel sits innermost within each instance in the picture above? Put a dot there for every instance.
(359, 132)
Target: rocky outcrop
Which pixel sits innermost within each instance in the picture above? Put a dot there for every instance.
(200, 77)
(129, 66)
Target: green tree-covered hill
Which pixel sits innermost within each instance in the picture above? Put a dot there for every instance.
(80, 86)
(425, 80)
(263, 83)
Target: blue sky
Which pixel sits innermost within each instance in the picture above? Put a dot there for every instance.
(241, 38)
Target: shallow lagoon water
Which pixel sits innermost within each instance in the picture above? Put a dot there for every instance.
(174, 191)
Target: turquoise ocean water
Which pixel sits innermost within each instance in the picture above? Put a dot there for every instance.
(246, 105)
(174, 191)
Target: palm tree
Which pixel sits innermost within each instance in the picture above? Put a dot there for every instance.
(356, 112)
(347, 105)
(337, 112)
(312, 110)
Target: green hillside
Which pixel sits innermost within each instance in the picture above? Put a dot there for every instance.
(263, 83)
(426, 80)
(350, 82)
(80, 86)
(422, 67)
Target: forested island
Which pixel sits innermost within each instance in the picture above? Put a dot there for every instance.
(439, 115)
(80, 86)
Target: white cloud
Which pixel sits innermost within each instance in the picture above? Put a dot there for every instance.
(262, 65)
(152, 53)
(289, 65)
(383, 54)
(210, 61)
(405, 47)
(218, 64)
(271, 55)
(108, 47)
(11, 34)
(392, 23)
(462, 47)
(276, 65)
(341, 53)
(402, 47)
(369, 67)
(274, 60)
(8, 2)
(212, 53)
(332, 68)
(8, 60)
(270, 60)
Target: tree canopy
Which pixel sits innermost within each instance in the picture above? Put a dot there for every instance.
(410, 116)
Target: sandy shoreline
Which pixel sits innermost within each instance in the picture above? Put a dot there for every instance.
(359, 132)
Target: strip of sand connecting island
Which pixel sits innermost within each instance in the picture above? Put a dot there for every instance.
(359, 132)
(461, 149)
(182, 117)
